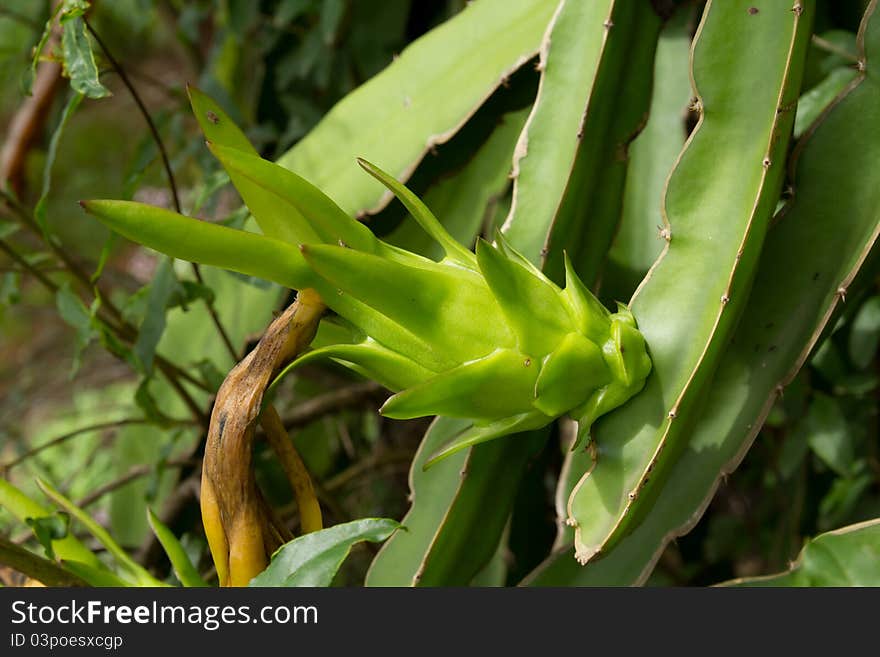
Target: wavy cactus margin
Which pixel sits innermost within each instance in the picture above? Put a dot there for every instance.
(717, 204)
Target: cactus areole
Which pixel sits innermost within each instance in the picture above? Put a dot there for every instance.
(484, 336)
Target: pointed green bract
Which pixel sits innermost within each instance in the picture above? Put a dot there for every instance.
(425, 300)
(216, 124)
(478, 434)
(289, 208)
(420, 212)
(203, 242)
(590, 316)
(530, 304)
(369, 358)
(496, 386)
(556, 390)
(484, 337)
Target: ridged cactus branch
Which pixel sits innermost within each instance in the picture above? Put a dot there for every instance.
(746, 71)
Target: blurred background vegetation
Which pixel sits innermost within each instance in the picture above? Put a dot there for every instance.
(278, 66)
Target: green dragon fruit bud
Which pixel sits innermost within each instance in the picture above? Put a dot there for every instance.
(483, 336)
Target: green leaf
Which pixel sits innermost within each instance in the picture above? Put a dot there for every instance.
(100, 577)
(828, 435)
(216, 124)
(183, 568)
(137, 572)
(73, 311)
(162, 287)
(845, 557)
(38, 49)
(36, 567)
(864, 335)
(79, 60)
(40, 208)
(23, 507)
(420, 100)
(313, 559)
(49, 529)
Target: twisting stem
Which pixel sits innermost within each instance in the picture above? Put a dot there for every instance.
(166, 163)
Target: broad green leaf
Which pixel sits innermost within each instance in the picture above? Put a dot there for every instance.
(806, 261)
(420, 100)
(313, 559)
(845, 557)
(137, 572)
(183, 568)
(23, 507)
(718, 203)
(100, 577)
(49, 529)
